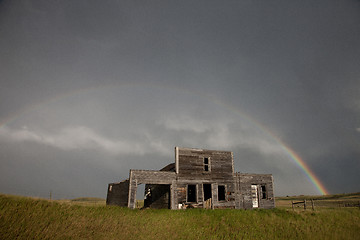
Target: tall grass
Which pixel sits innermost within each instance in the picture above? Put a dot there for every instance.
(26, 218)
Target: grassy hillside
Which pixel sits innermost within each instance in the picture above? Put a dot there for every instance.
(27, 218)
(85, 201)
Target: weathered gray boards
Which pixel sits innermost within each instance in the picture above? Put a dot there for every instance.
(199, 178)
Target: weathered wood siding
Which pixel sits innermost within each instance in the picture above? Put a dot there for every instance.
(180, 193)
(152, 177)
(229, 201)
(191, 171)
(191, 164)
(244, 196)
(147, 177)
(159, 193)
(118, 194)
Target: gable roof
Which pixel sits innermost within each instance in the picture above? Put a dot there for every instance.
(169, 168)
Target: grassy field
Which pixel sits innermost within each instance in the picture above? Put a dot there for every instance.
(28, 218)
(321, 202)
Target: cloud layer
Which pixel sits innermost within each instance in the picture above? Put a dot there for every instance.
(83, 138)
(119, 84)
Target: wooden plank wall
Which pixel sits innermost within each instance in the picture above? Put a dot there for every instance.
(244, 197)
(152, 177)
(191, 171)
(191, 164)
(229, 202)
(147, 177)
(118, 194)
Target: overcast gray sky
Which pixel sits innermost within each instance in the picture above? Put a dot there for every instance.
(91, 89)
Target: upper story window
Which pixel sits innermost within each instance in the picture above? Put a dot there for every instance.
(207, 164)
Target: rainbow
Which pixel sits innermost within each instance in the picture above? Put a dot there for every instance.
(309, 173)
(289, 152)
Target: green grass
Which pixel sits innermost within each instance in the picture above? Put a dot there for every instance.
(323, 197)
(320, 202)
(28, 218)
(84, 201)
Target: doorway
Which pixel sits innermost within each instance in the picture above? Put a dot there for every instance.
(191, 193)
(157, 196)
(255, 196)
(207, 191)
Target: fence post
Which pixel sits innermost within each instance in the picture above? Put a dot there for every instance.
(312, 204)
(304, 204)
(292, 204)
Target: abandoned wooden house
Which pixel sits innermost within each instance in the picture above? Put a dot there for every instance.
(198, 179)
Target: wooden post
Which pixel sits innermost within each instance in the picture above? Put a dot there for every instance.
(292, 204)
(304, 204)
(312, 204)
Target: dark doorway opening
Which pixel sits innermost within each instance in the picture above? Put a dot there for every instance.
(207, 191)
(191, 193)
(221, 193)
(157, 196)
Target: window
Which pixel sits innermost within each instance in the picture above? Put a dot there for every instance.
(263, 192)
(206, 164)
(221, 193)
(191, 193)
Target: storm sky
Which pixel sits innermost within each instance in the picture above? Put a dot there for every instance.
(92, 89)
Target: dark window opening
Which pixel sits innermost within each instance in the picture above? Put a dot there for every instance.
(207, 191)
(221, 193)
(263, 192)
(206, 164)
(191, 193)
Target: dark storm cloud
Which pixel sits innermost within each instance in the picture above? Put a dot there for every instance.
(107, 86)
